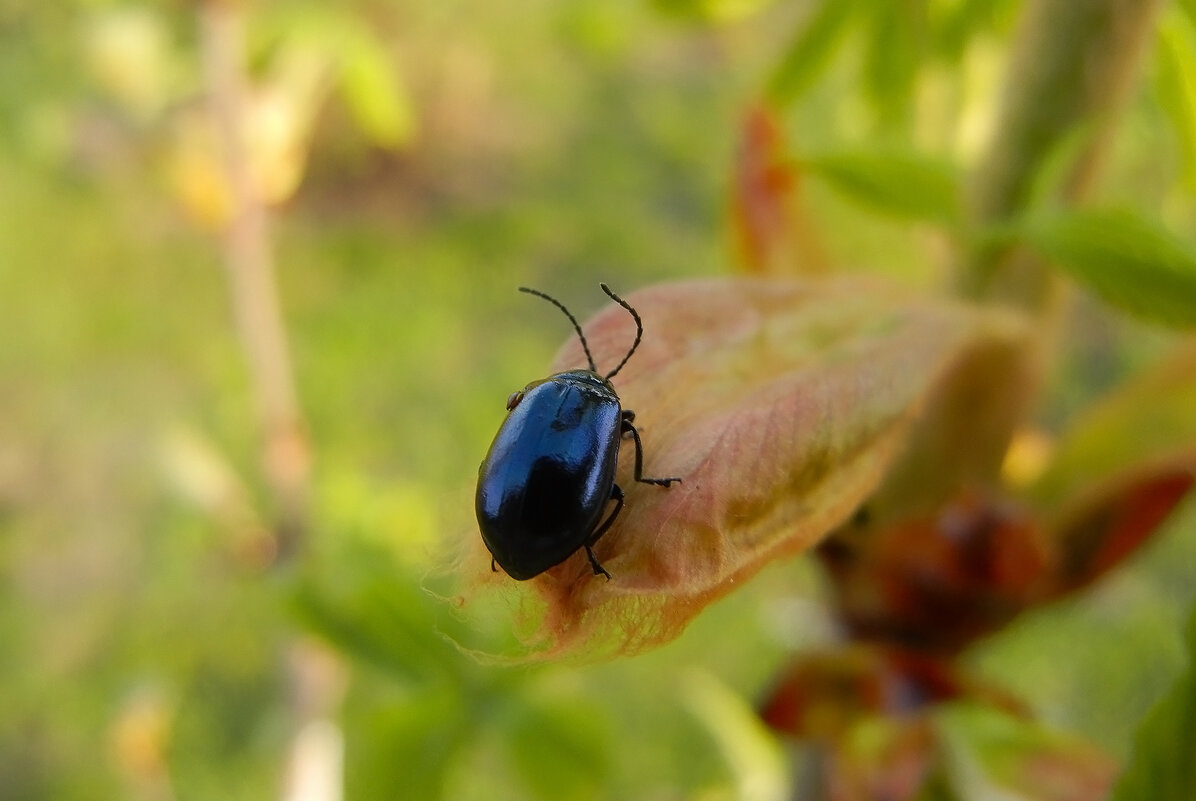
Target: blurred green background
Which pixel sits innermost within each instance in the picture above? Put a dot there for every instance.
(474, 147)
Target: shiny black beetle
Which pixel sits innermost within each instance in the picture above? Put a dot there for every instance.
(551, 468)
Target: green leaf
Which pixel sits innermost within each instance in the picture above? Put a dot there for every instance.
(1188, 7)
(900, 184)
(1176, 83)
(892, 59)
(807, 56)
(991, 753)
(1119, 469)
(1129, 260)
(710, 10)
(357, 598)
(1144, 428)
(958, 23)
(398, 737)
(376, 98)
(364, 74)
(752, 752)
(1162, 766)
(561, 746)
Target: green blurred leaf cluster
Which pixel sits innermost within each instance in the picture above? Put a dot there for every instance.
(904, 185)
(1126, 258)
(1161, 766)
(926, 54)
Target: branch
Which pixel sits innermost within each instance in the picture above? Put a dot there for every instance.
(249, 260)
(316, 676)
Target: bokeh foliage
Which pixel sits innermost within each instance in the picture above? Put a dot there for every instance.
(433, 156)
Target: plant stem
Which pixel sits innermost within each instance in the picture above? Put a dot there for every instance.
(1071, 72)
(315, 675)
(250, 265)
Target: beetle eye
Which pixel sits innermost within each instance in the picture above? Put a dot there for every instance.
(514, 399)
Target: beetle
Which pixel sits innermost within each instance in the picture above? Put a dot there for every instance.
(550, 471)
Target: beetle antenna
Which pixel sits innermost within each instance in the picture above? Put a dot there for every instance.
(639, 329)
(584, 345)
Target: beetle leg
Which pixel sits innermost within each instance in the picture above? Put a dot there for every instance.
(628, 417)
(616, 494)
(628, 428)
(598, 569)
(493, 567)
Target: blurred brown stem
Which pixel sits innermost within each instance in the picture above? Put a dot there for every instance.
(315, 674)
(249, 260)
(1071, 72)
